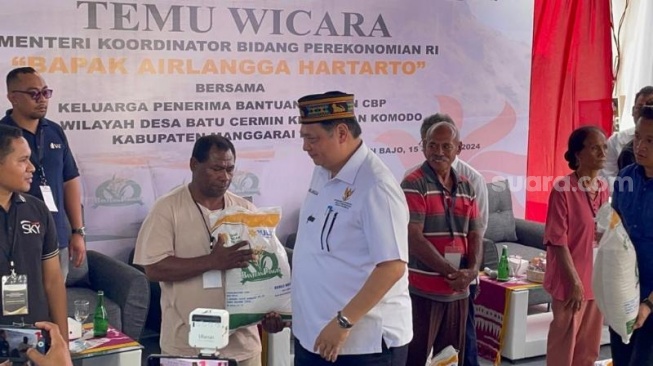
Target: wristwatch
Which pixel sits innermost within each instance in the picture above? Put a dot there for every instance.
(343, 322)
(648, 303)
(80, 231)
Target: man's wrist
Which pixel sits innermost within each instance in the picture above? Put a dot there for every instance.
(648, 303)
(81, 231)
(343, 321)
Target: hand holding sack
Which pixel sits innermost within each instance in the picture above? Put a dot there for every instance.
(263, 285)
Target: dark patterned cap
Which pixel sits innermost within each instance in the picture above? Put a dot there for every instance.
(325, 107)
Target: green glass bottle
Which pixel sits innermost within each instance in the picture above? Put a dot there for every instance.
(504, 267)
(100, 318)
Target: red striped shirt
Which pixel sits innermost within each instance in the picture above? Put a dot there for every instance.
(427, 202)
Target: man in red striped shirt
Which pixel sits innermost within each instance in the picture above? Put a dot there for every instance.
(444, 240)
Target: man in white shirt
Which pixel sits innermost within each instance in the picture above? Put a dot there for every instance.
(480, 187)
(622, 140)
(350, 297)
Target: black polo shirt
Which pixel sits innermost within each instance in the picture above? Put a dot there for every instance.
(28, 236)
(51, 150)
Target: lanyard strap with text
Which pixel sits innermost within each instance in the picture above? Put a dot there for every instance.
(589, 200)
(449, 205)
(38, 164)
(9, 253)
(208, 231)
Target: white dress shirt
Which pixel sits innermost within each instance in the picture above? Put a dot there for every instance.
(347, 225)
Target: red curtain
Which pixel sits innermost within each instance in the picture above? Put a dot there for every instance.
(571, 86)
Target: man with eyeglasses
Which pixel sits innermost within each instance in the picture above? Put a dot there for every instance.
(444, 237)
(56, 179)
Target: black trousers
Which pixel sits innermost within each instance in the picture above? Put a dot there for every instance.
(639, 351)
(395, 356)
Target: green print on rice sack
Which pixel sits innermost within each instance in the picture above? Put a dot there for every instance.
(265, 268)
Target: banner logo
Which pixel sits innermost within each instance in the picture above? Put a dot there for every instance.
(118, 192)
(245, 184)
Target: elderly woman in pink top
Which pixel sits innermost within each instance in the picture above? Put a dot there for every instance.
(570, 237)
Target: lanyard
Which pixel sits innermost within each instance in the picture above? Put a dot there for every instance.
(206, 226)
(14, 237)
(589, 200)
(448, 201)
(40, 148)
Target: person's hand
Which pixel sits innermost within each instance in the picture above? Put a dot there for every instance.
(330, 340)
(272, 323)
(76, 250)
(58, 354)
(231, 257)
(6, 363)
(644, 312)
(575, 300)
(460, 280)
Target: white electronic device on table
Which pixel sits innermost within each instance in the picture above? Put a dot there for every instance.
(209, 330)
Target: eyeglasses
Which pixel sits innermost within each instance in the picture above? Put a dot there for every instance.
(36, 94)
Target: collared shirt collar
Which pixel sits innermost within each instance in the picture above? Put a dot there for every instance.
(42, 121)
(348, 172)
(18, 198)
(430, 174)
(15, 198)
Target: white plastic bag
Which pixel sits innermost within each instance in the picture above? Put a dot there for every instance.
(446, 357)
(615, 279)
(264, 285)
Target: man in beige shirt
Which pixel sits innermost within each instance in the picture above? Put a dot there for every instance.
(177, 249)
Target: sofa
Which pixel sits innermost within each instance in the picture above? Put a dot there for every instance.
(126, 291)
(152, 327)
(522, 237)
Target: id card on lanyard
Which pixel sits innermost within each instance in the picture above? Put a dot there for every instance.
(452, 253)
(46, 191)
(14, 285)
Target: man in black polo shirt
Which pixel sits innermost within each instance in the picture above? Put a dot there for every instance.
(56, 179)
(31, 284)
